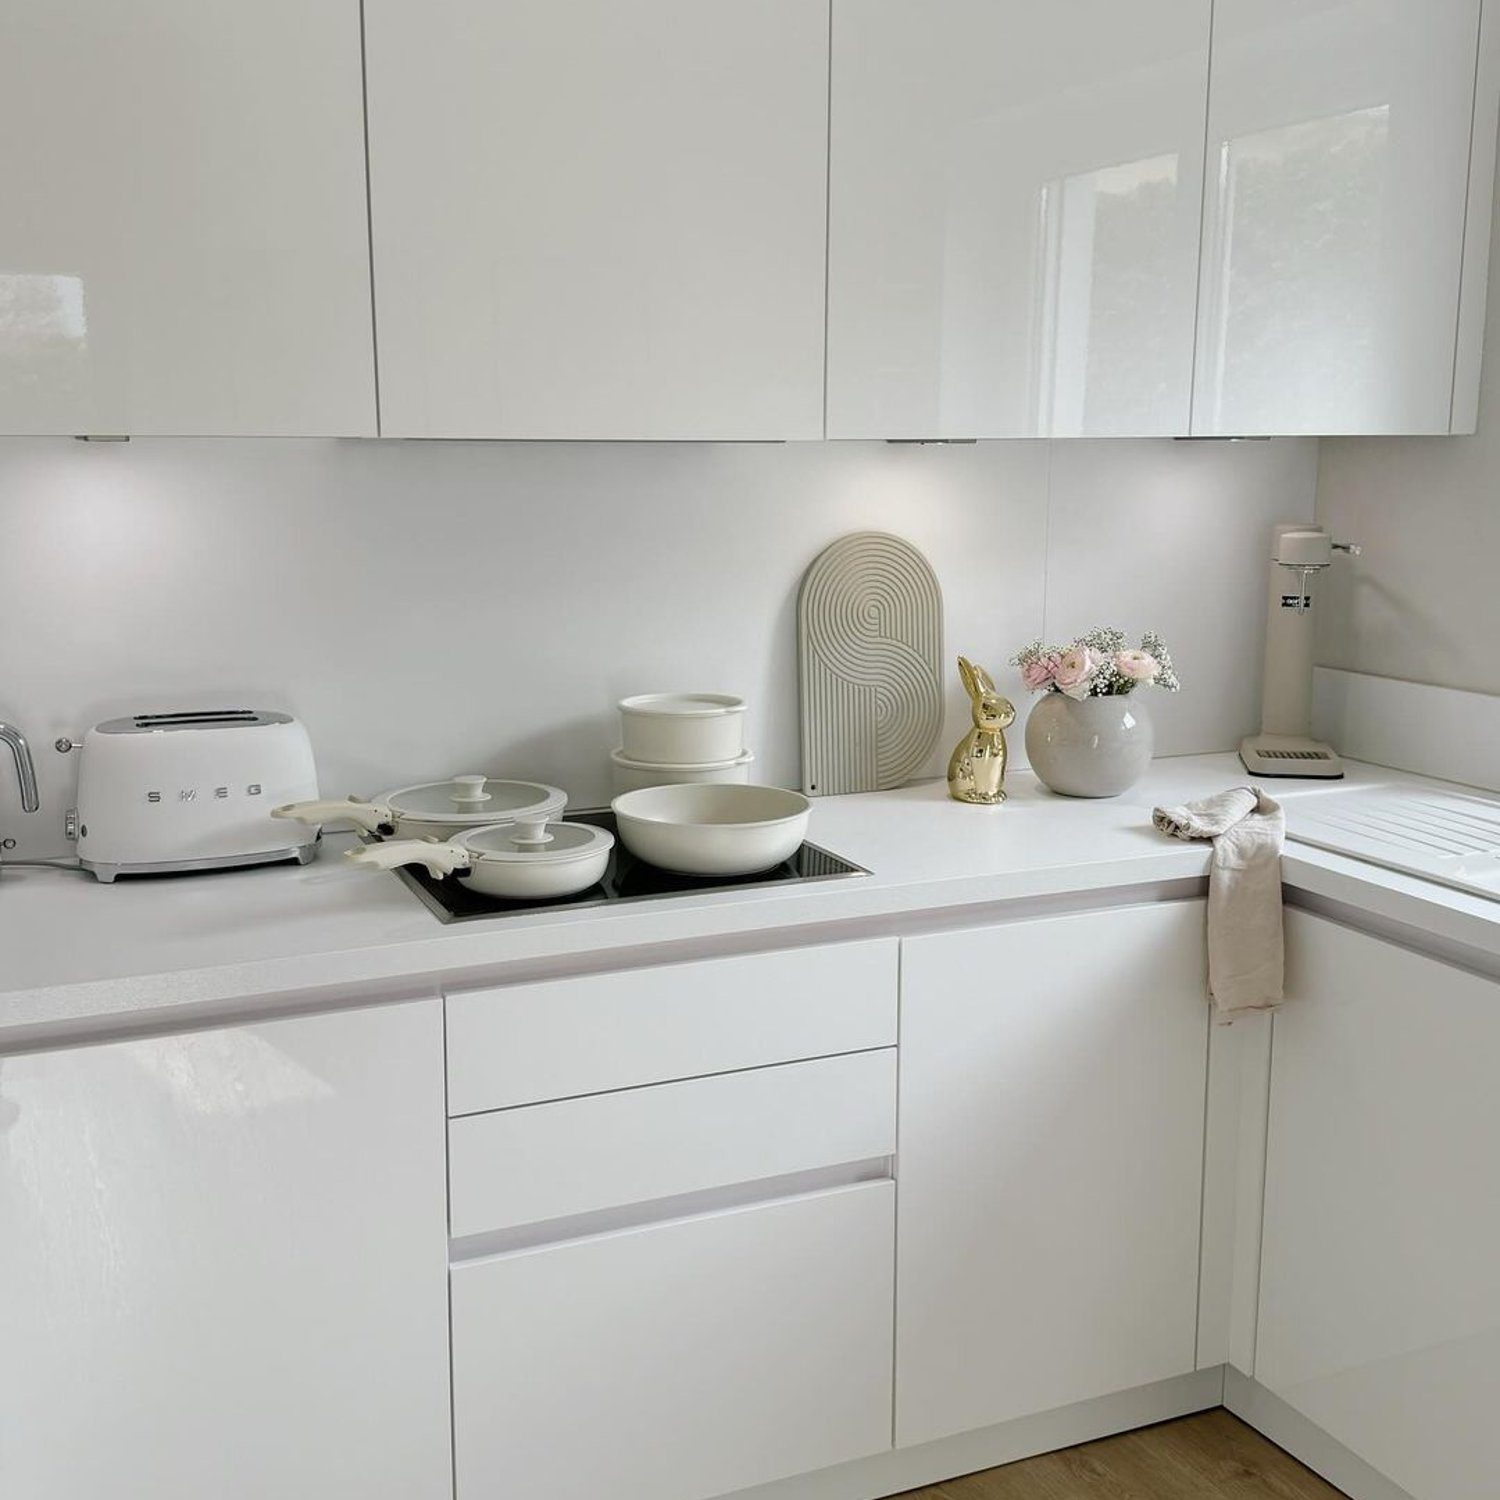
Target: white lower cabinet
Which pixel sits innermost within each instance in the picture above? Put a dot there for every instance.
(516, 1168)
(1050, 1163)
(1380, 1273)
(222, 1264)
(598, 1033)
(229, 1267)
(681, 1360)
(674, 1289)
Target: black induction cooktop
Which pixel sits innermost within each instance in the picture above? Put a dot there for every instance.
(626, 879)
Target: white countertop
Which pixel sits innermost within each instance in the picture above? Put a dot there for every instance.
(74, 953)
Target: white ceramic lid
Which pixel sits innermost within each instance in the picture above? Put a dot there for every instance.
(684, 705)
(537, 842)
(619, 757)
(466, 800)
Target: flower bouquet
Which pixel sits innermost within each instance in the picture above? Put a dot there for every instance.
(1087, 736)
(1099, 664)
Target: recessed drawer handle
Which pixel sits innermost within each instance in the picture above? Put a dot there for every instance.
(501, 1242)
(605, 1153)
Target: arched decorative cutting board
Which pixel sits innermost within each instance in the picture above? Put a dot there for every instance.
(869, 649)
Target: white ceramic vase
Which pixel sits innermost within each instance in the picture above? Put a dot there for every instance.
(1089, 747)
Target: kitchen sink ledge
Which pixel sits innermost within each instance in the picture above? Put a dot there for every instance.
(77, 957)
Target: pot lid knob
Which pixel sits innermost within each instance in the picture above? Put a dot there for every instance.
(531, 833)
(470, 790)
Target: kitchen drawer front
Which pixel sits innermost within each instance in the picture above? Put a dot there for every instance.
(678, 1361)
(532, 1042)
(582, 1156)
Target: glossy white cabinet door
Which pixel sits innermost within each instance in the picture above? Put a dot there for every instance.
(1380, 1294)
(596, 1033)
(546, 1162)
(223, 1264)
(683, 1360)
(1339, 143)
(599, 220)
(183, 243)
(1050, 1160)
(1014, 215)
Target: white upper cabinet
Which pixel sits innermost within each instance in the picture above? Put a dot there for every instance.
(599, 220)
(1334, 230)
(744, 219)
(1015, 196)
(183, 238)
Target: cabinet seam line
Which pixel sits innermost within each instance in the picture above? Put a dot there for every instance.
(827, 213)
(1463, 241)
(1208, 101)
(1265, 1173)
(364, 99)
(896, 1200)
(657, 1083)
(448, 1256)
(1208, 1061)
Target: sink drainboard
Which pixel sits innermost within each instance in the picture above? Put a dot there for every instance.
(1451, 837)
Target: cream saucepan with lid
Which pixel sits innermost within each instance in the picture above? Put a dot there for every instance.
(529, 860)
(437, 809)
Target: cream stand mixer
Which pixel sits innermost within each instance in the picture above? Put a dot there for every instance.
(1284, 746)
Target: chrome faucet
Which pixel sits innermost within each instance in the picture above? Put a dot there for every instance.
(25, 770)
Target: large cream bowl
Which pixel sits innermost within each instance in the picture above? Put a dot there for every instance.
(712, 830)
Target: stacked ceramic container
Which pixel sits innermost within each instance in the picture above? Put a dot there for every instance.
(671, 738)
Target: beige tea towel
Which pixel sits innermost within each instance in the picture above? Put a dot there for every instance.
(1246, 946)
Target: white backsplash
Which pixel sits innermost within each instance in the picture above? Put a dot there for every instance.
(430, 608)
(1433, 731)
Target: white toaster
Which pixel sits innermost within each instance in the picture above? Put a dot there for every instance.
(193, 791)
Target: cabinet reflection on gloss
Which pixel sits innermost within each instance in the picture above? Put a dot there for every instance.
(41, 313)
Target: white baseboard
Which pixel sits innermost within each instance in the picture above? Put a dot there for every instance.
(909, 1468)
(1270, 1416)
(989, 1447)
(1410, 726)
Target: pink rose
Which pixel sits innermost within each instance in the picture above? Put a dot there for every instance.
(1138, 666)
(1039, 673)
(1075, 667)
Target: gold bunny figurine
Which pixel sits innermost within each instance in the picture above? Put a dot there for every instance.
(977, 771)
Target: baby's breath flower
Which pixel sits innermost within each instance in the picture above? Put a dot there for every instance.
(1103, 646)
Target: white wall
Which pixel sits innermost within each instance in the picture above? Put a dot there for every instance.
(1423, 602)
(431, 608)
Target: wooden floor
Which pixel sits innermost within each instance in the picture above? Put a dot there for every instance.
(1213, 1456)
